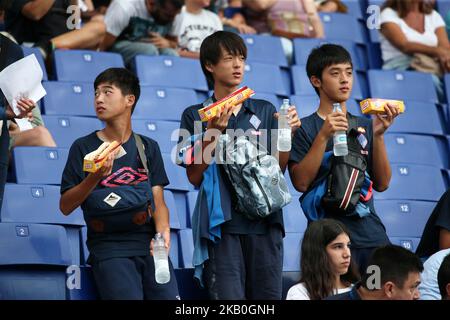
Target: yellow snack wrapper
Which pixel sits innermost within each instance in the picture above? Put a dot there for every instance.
(376, 106)
(235, 98)
(96, 159)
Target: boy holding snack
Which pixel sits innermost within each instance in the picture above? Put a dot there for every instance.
(246, 263)
(123, 200)
(330, 71)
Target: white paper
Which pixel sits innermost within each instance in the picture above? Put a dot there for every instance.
(22, 79)
(1, 127)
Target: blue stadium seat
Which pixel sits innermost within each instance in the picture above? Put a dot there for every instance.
(176, 174)
(32, 283)
(303, 87)
(172, 72)
(164, 103)
(443, 7)
(402, 85)
(405, 148)
(84, 65)
(307, 105)
(303, 47)
(186, 248)
(191, 198)
(354, 8)
(38, 165)
(264, 49)
(294, 218)
(414, 182)
(69, 98)
(161, 131)
(84, 249)
(265, 78)
(34, 244)
(419, 118)
(21, 202)
(33, 50)
(409, 243)
(174, 249)
(341, 26)
(173, 212)
(181, 205)
(404, 218)
(374, 57)
(272, 98)
(292, 248)
(87, 289)
(447, 86)
(66, 129)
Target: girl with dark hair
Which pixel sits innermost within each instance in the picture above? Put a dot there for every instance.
(325, 262)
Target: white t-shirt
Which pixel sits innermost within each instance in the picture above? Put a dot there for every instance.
(192, 29)
(299, 292)
(429, 37)
(119, 13)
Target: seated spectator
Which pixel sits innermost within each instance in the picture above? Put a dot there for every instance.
(10, 52)
(413, 36)
(444, 278)
(192, 25)
(285, 18)
(395, 276)
(429, 288)
(45, 23)
(231, 15)
(39, 136)
(141, 27)
(330, 6)
(325, 262)
(436, 234)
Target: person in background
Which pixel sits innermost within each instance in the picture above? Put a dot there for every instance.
(325, 263)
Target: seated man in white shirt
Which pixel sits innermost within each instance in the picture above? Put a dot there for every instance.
(140, 27)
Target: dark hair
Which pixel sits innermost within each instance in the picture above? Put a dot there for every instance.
(123, 79)
(316, 271)
(443, 276)
(178, 4)
(325, 56)
(395, 264)
(213, 45)
(5, 4)
(403, 7)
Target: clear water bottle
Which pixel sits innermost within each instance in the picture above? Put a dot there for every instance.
(340, 137)
(162, 273)
(284, 130)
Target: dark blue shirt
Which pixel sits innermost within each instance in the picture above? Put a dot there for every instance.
(365, 232)
(439, 219)
(254, 116)
(127, 170)
(350, 295)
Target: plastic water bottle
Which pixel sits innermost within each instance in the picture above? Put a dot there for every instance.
(340, 137)
(284, 130)
(162, 273)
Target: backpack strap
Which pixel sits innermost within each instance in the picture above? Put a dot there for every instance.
(142, 156)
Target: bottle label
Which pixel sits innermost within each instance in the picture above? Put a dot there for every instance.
(340, 139)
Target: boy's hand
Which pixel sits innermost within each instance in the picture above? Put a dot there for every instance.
(383, 121)
(24, 105)
(336, 121)
(220, 121)
(106, 169)
(166, 237)
(294, 121)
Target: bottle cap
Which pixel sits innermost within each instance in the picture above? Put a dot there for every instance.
(285, 101)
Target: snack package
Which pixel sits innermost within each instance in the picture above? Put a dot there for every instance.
(95, 159)
(374, 106)
(234, 98)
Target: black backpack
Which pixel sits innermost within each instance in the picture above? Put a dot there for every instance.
(346, 176)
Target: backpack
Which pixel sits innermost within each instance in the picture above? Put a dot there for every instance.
(121, 209)
(255, 175)
(346, 176)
